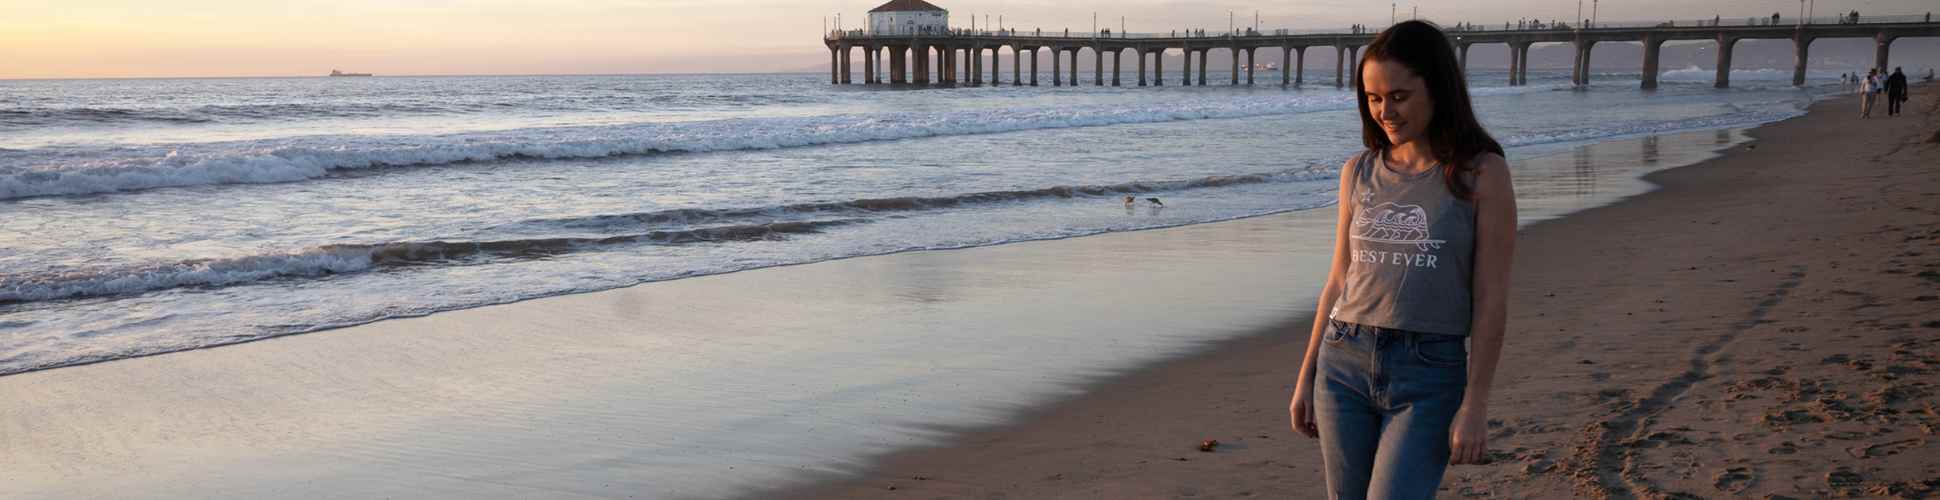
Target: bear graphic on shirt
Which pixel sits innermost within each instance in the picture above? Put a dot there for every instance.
(1396, 224)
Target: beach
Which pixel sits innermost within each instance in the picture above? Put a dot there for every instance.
(1762, 323)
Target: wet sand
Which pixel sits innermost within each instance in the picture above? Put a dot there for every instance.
(1776, 292)
(697, 388)
(1765, 325)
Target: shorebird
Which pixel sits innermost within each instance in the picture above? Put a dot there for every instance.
(1129, 200)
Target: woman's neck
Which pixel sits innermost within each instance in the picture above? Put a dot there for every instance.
(1412, 156)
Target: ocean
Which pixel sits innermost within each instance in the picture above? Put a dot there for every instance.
(147, 216)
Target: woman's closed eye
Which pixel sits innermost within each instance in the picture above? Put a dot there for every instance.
(1397, 96)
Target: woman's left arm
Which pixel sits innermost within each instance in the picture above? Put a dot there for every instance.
(1495, 248)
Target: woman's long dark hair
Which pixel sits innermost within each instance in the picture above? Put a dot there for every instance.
(1455, 137)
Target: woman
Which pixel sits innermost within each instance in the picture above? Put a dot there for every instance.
(1421, 263)
(1866, 91)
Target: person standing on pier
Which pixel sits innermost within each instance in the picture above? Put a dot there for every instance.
(1399, 362)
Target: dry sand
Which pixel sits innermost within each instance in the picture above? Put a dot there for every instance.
(1764, 326)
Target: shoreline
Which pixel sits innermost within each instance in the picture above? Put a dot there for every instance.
(1060, 450)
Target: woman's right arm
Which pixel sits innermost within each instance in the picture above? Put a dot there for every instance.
(1301, 407)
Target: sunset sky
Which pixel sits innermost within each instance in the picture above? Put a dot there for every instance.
(130, 38)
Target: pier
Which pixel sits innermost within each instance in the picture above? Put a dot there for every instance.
(965, 57)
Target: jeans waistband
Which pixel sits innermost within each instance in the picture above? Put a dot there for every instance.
(1350, 330)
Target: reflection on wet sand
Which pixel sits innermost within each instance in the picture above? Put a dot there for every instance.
(1598, 174)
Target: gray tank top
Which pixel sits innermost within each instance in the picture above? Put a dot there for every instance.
(1411, 247)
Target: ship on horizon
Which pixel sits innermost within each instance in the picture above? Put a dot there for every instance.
(340, 73)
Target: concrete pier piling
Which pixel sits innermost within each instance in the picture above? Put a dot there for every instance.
(1299, 66)
(956, 56)
(1058, 68)
(1158, 67)
(1074, 66)
(1252, 61)
(1340, 60)
(1653, 45)
(997, 65)
(1724, 60)
(1017, 66)
(1286, 66)
(1097, 67)
(1203, 53)
(1033, 66)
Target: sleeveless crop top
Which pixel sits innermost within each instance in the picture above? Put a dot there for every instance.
(1412, 251)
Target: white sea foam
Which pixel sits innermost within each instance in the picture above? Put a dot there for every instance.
(209, 272)
(1629, 128)
(1698, 74)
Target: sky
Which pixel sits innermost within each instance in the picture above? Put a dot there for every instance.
(184, 38)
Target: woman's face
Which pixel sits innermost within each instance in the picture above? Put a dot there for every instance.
(1397, 99)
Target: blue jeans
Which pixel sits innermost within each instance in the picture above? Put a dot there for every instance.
(1383, 400)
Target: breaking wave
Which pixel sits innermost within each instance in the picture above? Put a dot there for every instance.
(342, 259)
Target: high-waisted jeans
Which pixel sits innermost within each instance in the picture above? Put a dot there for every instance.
(1383, 401)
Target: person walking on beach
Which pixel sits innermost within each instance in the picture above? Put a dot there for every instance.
(1895, 92)
(1866, 91)
(1426, 230)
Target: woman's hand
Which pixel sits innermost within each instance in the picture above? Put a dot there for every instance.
(1468, 436)
(1302, 409)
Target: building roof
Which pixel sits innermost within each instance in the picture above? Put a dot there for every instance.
(906, 6)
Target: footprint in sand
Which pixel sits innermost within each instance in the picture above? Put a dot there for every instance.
(1733, 480)
(1497, 456)
(1884, 449)
(1834, 409)
(1661, 439)
(1783, 448)
(1892, 394)
(1843, 478)
(1845, 435)
(1782, 418)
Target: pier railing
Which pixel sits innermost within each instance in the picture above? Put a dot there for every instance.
(1456, 27)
